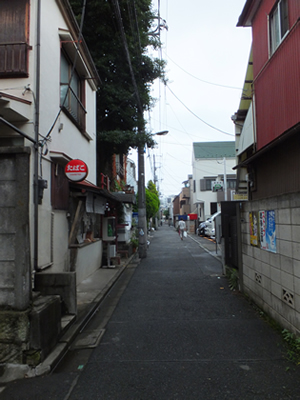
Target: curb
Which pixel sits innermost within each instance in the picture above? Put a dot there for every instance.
(11, 372)
(219, 258)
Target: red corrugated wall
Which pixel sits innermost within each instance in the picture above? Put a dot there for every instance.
(276, 80)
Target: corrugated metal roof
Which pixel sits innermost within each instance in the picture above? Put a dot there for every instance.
(214, 149)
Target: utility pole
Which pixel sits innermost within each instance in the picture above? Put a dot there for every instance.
(142, 220)
(225, 180)
(155, 176)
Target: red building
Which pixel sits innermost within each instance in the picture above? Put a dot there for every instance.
(276, 67)
(268, 164)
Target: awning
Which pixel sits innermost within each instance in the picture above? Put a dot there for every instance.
(247, 134)
(127, 198)
(86, 186)
(276, 142)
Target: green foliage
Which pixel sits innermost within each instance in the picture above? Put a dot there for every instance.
(152, 204)
(167, 214)
(152, 188)
(292, 343)
(293, 346)
(118, 115)
(118, 142)
(134, 239)
(134, 242)
(232, 275)
(118, 186)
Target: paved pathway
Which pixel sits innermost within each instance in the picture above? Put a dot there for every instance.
(177, 332)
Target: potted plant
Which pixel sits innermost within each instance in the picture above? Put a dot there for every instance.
(135, 243)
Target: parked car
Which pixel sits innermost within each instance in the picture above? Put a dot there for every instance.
(210, 224)
(201, 229)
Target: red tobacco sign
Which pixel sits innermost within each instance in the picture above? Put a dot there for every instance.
(76, 170)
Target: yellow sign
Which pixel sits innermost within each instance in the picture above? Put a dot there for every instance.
(240, 197)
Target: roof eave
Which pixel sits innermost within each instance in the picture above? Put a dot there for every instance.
(248, 13)
(67, 12)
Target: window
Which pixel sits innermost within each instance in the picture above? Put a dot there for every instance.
(278, 24)
(231, 183)
(14, 23)
(206, 184)
(72, 96)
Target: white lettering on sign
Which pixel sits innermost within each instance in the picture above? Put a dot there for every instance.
(73, 168)
(76, 170)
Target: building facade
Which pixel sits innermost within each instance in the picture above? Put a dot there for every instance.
(212, 161)
(50, 231)
(269, 219)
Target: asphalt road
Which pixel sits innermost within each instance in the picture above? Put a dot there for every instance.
(171, 329)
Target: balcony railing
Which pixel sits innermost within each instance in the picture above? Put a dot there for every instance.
(14, 59)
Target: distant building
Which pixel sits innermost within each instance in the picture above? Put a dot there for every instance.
(212, 161)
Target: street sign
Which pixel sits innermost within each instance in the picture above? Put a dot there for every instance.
(76, 170)
(217, 186)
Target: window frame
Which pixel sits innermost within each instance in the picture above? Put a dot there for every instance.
(277, 29)
(14, 41)
(206, 183)
(73, 104)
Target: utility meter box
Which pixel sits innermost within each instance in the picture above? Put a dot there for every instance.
(109, 228)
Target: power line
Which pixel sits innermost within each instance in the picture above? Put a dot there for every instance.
(169, 127)
(202, 80)
(195, 115)
(125, 44)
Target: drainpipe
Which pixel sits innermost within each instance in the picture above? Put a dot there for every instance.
(36, 131)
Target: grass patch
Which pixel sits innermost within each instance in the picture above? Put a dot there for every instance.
(290, 341)
(293, 346)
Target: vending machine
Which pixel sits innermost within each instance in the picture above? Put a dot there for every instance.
(109, 229)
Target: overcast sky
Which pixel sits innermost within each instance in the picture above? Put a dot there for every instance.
(202, 44)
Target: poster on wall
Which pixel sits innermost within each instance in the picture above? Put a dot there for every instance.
(253, 228)
(267, 230)
(262, 230)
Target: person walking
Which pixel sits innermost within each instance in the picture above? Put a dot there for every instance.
(181, 227)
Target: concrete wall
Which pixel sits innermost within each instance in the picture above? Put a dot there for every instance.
(15, 271)
(273, 279)
(87, 258)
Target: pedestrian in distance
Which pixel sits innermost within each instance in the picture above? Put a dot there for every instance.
(181, 227)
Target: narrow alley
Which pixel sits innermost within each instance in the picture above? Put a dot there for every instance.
(177, 332)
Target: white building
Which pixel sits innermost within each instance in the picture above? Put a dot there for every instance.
(211, 162)
(131, 175)
(49, 235)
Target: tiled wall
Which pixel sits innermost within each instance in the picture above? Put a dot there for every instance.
(272, 280)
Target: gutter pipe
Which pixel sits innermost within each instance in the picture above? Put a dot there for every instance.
(36, 130)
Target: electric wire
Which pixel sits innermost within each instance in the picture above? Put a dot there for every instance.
(125, 45)
(180, 122)
(202, 80)
(169, 127)
(176, 158)
(195, 115)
